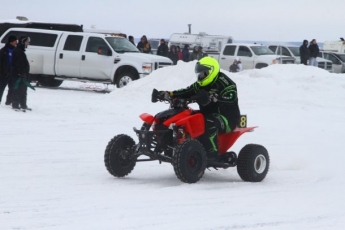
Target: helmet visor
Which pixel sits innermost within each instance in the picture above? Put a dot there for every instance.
(201, 71)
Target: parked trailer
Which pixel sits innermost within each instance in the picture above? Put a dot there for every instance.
(207, 42)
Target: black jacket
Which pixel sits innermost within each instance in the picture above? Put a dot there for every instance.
(163, 50)
(314, 50)
(20, 62)
(144, 47)
(304, 51)
(4, 65)
(173, 56)
(226, 100)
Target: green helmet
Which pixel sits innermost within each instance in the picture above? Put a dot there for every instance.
(207, 69)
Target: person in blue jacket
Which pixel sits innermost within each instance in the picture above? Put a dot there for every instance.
(6, 54)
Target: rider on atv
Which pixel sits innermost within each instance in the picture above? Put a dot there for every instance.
(216, 95)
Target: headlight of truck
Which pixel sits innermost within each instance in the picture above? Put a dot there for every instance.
(147, 67)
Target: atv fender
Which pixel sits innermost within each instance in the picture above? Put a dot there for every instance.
(226, 140)
(148, 118)
(194, 124)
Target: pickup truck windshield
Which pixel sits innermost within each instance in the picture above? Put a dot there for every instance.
(295, 51)
(121, 45)
(261, 50)
(342, 57)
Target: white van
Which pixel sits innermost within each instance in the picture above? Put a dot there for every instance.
(55, 56)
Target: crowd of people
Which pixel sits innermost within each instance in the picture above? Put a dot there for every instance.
(14, 72)
(308, 52)
(174, 52)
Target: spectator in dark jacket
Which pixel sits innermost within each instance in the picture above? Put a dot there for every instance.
(173, 54)
(20, 72)
(144, 46)
(314, 52)
(304, 52)
(163, 49)
(196, 54)
(185, 53)
(203, 54)
(131, 39)
(6, 54)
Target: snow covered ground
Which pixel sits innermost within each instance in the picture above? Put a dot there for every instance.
(52, 174)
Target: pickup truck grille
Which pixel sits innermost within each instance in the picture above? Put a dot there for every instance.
(321, 65)
(286, 60)
(325, 65)
(161, 64)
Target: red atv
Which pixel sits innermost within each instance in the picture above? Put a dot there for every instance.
(172, 136)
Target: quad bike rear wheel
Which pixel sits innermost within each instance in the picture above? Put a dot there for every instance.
(117, 157)
(189, 161)
(253, 163)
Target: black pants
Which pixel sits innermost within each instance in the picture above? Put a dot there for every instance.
(19, 95)
(3, 84)
(304, 61)
(214, 124)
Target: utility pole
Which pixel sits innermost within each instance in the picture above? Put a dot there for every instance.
(189, 28)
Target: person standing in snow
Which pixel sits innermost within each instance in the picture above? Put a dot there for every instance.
(304, 52)
(196, 54)
(6, 54)
(163, 49)
(185, 53)
(144, 46)
(314, 52)
(217, 97)
(179, 53)
(20, 72)
(131, 39)
(173, 54)
(236, 66)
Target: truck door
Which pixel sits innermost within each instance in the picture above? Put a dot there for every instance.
(246, 56)
(68, 56)
(93, 65)
(227, 57)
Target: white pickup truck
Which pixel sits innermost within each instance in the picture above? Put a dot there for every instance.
(251, 55)
(55, 56)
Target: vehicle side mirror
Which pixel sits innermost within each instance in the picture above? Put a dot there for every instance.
(104, 50)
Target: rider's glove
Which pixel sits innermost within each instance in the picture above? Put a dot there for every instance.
(164, 95)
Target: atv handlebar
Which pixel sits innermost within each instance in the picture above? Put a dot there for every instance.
(173, 101)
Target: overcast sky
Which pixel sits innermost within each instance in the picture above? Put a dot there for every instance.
(262, 20)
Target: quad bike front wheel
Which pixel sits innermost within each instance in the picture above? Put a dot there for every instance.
(117, 157)
(189, 161)
(253, 163)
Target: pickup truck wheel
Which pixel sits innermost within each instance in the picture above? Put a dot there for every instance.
(49, 82)
(260, 66)
(123, 79)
